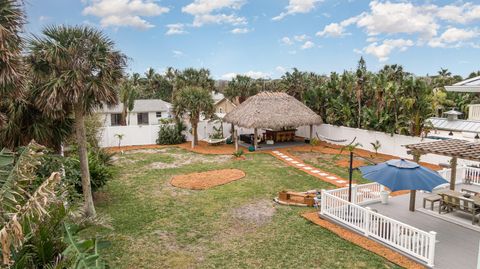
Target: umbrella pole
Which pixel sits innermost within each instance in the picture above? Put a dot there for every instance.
(412, 200)
(350, 172)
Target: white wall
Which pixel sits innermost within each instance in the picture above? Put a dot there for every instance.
(392, 145)
(132, 135)
(132, 118)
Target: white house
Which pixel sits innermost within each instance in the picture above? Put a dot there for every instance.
(145, 112)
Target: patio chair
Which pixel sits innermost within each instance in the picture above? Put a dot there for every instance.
(474, 193)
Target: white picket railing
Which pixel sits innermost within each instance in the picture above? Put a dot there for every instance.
(361, 194)
(413, 241)
(464, 174)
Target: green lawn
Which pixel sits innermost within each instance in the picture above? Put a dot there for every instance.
(235, 225)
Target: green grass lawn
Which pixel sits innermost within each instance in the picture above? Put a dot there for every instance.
(236, 225)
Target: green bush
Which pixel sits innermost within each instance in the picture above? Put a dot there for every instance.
(171, 134)
(99, 163)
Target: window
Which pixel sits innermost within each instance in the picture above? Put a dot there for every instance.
(159, 114)
(220, 110)
(116, 119)
(142, 118)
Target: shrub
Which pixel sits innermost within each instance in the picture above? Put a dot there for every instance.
(171, 134)
(238, 153)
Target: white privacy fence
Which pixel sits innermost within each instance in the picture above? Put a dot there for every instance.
(390, 144)
(406, 238)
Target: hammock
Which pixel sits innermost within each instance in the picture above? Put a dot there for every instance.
(321, 137)
(216, 141)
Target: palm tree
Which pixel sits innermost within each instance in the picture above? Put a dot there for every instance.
(240, 88)
(193, 102)
(11, 73)
(75, 69)
(128, 94)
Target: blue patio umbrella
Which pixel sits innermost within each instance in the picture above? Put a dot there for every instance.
(403, 175)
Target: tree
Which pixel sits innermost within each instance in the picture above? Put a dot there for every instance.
(193, 102)
(11, 44)
(240, 88)
(195, 78)
(63, 83)
(128, 93)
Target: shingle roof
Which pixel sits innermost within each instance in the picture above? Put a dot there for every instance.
(470, 126)
(142, 105)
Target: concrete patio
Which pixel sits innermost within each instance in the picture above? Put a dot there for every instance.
(457, 239)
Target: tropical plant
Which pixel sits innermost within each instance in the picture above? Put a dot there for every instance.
(376, 146)
(193, 102)
(59, 90)
(120, 137)
(239, 153)
(12, 20)
(240, 88)
(171, 134)
(23, 204)
(128, 93)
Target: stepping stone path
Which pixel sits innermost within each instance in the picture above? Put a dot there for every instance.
(297, 163)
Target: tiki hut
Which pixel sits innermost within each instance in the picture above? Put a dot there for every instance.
(271, 110)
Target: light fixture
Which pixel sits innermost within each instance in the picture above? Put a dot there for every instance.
(477, 137)
(450, 133)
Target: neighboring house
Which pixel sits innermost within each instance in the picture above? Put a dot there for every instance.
(145, 112)
(222, 104)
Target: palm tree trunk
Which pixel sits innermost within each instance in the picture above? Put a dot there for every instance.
(124, 114)
(82, 154)
(194, 133)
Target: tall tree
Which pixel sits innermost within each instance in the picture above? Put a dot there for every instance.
(11, 44)
(193, 102)
(195, 78)
(75, 69)
(360, 87)
(128, 93)
(240, 88)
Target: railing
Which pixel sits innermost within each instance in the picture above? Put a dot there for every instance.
(465, 174)
(361, 194)
(413, 241)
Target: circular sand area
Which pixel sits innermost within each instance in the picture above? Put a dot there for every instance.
(205, 180)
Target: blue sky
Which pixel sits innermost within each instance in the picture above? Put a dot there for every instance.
(265, 38)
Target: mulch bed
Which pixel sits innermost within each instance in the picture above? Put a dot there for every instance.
(346, 163)
(206, 180)
(363, 242)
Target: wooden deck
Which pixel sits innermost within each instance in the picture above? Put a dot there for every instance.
(457, 239)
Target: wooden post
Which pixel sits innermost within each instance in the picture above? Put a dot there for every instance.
(453, 176)
(255, 134)
(412, 200)
(311, 133)
(235, 137)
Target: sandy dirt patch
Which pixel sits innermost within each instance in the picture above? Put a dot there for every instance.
(205, 180)
(346, 163)
(257, 213)
(182, 159)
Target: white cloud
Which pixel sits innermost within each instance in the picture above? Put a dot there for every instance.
(127, 13)
(177, 53)
(203, 12)
(176, 29)
(301, 38)
(337, 29)
(287, 41)
(44, 18)
(240, 31)
(453, 36)
(394, 18)
(252, 74)
(465, 13)
(383, 50)
(280, 69)
(297, 6)
(307, 45)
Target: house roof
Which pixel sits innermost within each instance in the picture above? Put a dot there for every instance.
(470, 126)
(468, 85)
(142, 105)
(272, 110)
(452, 148)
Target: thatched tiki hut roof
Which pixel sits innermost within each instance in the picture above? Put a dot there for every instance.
(272, 110)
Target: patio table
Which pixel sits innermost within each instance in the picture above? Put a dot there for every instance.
(457, 194)
(454, 200)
